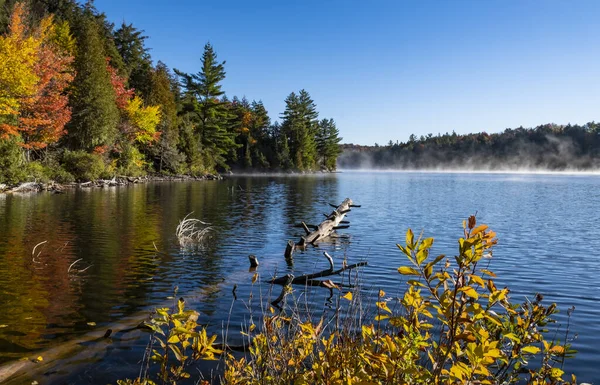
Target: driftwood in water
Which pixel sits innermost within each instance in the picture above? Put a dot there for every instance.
(303, 279)
(332, 222)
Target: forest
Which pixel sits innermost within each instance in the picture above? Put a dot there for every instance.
(547, 147)
(82, 99)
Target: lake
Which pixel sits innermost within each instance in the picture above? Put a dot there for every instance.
(547, 226)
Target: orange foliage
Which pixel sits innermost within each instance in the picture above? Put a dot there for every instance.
(44, 116)
(123, 95)
(43, 112)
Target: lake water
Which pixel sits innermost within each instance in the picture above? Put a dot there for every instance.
(547, 228)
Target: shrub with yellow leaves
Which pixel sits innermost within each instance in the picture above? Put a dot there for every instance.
(451, 326)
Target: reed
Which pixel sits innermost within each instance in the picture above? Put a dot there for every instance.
(192, 232)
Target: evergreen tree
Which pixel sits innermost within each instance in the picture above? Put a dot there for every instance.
(210, 114)
(328, 147)
(161, 94)
(130, 43)
(95, 113)
(300, 127)
(105, 31)
(259, 130)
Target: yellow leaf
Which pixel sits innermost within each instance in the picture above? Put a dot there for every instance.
(410, 238)
(91, 324)
(348, 296)
(381, 293)
(405, 270)
(531, 349)
(254, 277)
(39, 359)
(478, 280)
(469, 291)
(383, 306)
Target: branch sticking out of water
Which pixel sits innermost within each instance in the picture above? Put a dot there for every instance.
(191, 232)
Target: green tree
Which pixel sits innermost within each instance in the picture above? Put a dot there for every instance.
(328, 147)
(165, 153)
(95, 113)
(259, 131)
(207, 110)
(300, 126)
(130, 43)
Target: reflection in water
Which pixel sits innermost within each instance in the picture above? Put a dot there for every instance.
(540, 220)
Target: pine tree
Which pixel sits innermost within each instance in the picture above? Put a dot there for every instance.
(130, 43)
(328, 147)
(210, 114)
(95, 113)
(259, 131)
(300, 127)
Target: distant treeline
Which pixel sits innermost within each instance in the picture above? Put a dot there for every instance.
(81, 99)
(549, 147)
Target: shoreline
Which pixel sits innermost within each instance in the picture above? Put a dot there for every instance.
(59, 188)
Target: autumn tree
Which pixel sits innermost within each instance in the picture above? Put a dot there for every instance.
(137, 125)
(43, 116)
(36, 108)
(18, 78)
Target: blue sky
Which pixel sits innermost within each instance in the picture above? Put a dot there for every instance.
(386, 69)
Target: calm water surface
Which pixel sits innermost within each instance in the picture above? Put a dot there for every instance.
(547, 226)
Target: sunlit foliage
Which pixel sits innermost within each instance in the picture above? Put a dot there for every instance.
(451, 326)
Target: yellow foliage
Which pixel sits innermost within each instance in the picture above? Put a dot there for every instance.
(144, 119)
(18, 53)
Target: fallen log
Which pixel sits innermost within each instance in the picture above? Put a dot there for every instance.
(303, 279)
(326, 227)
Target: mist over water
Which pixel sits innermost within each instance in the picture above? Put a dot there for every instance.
(569, 149)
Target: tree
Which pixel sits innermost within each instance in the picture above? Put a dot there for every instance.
(259, 131)
(93, 100)
(35, 103)
(18, 78)
(130, 43)
(43, 116)
(163, 95)
(300, 126)
(328, 147)
(204, 107)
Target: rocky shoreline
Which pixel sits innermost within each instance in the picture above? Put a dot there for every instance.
(59, 188)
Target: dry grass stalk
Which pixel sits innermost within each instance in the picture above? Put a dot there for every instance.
(191, 232)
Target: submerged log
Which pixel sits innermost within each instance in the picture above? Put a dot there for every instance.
(310, 278)
(326, 227)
